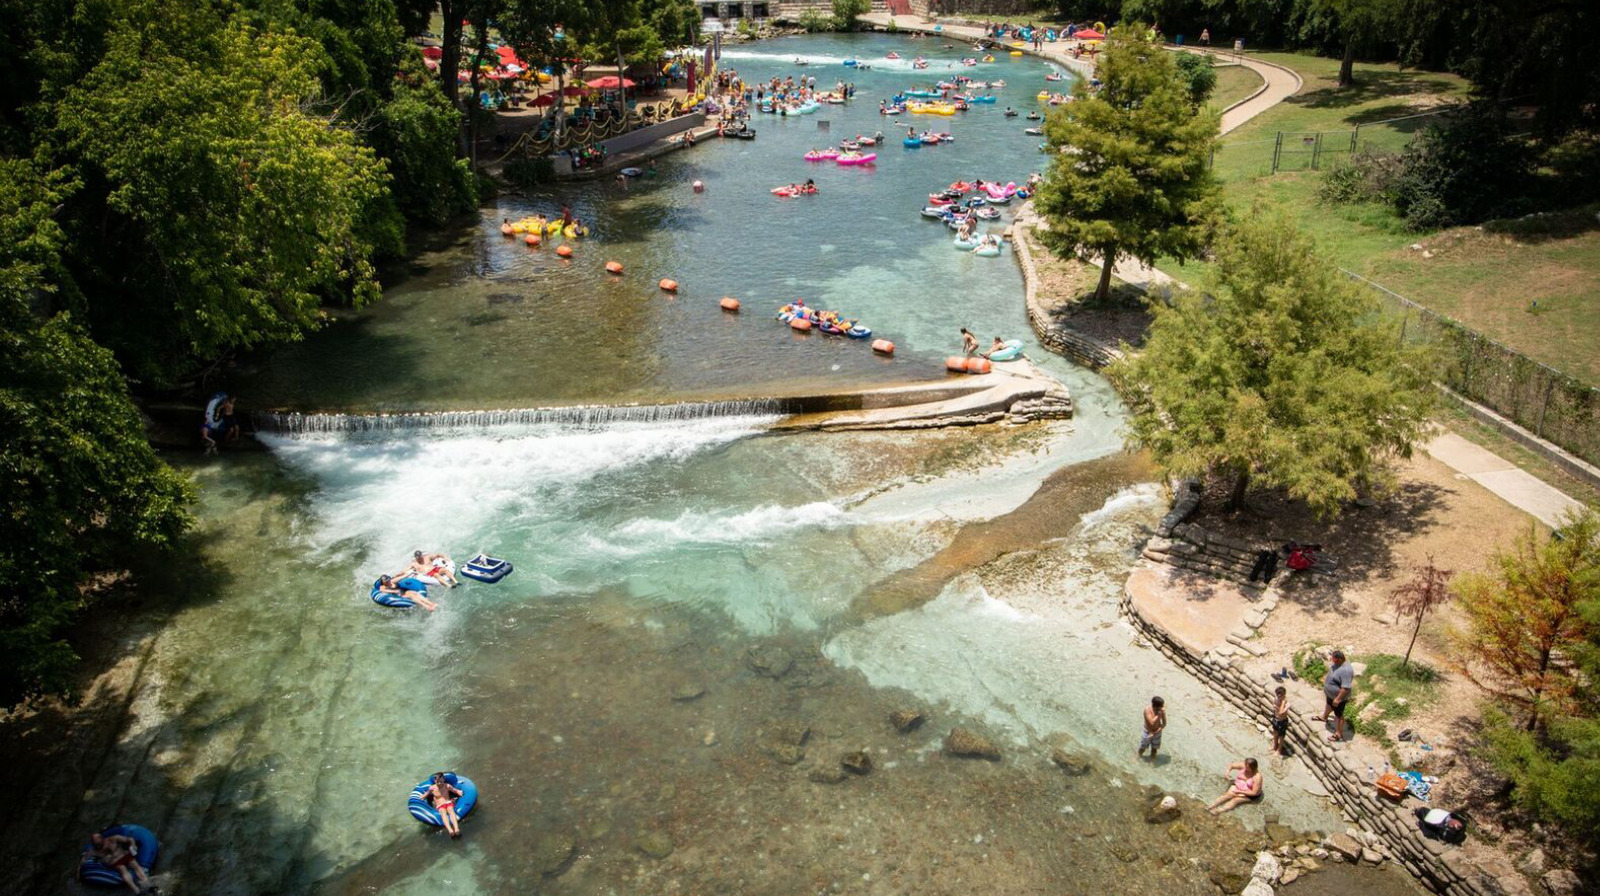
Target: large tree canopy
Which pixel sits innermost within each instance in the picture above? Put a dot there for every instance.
(1131, 176)
(1279, 371)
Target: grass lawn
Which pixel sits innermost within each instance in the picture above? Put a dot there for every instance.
(1234, 83)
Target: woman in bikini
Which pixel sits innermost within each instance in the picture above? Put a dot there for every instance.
(1246, 787)
(442, 794)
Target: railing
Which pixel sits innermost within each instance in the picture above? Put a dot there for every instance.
(1552, 405)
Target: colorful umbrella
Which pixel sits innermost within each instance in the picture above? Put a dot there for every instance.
(609, 82)
(1088, 34)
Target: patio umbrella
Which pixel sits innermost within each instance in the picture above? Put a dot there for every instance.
(508, 56)
(609, 82)
(1088, 34)
(432, 53)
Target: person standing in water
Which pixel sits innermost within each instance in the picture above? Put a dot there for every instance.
(969, 343)
(1155, 722)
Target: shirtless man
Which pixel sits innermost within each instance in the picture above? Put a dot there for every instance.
(391, 585)
(999, 345)
(969, 343)
(432, 569)
(117, 853)
(443, 795)
(1155, 721)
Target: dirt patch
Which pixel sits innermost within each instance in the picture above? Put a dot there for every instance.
(1064, 289)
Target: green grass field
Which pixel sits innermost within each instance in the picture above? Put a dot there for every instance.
(1487, 278)
(1234, 83)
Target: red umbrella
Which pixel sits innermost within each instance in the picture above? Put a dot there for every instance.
(1088, 34)
(432, 53)
(508, 56)
(609, 82)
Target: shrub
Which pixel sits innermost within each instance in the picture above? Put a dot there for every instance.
(1199, 74)
(813, 21)
(1463, 171)
(1366, 176)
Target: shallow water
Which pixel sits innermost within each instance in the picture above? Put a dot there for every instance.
(704, 618)
(484, 321)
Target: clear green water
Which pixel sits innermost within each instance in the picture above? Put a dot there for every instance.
(484, 321)
(704, 617)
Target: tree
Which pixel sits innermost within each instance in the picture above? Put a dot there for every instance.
(222, 203)
(81, 485)
(1525, 619)
(1279, 372)
(1357, 20)
(1428, 589)
(1129, 177)
(845, 13)
(1199, 74)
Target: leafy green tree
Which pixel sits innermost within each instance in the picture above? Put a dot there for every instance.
(415, 132)
(1130, 175)
(1526, 621)
(845, 12)
(220, 205)
(81, 485)
(1199, 74)
(1356, 21)
(1279, 372)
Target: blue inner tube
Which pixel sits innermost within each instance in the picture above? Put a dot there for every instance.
(912, 141)
(858, 332)
(486, 569)
(425, 813)
(399, 602)
(94, 872)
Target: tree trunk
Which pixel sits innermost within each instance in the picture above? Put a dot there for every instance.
(474, 107)
(1347, 66)
(1108, 259)
(1414, 632)
(1241, 484)
(622, 90)
(450, 50)
(1538, 692)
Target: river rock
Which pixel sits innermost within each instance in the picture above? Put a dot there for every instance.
(1532, 864)
(1163, 811)
(827, 774)
(962, 742)
(1178, 832)
(858, 762)
(655, 844)
(553, 851)
(1127, 854)
(1560, 882)
(1257, 887)
(683, 693)
(1267, 868)
(1071, 763)
(769, 661)
(1345, 846)
(1290, 875)
(1280, 833)
(794, 733)
(1229, 881)
(787, 754)
(905, 720)
(1371, 856)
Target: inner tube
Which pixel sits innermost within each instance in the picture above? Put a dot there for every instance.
(425, 813)
(146, 851)
(987, 252)
(398, 601)
(632, 172)
(912, 142)
(858, 332)
(448, 565)
(1011, 352)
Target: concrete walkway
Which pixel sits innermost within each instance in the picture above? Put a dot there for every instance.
(1516, 486)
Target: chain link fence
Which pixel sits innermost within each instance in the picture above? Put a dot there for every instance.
(1317, 150)
(1550, 404)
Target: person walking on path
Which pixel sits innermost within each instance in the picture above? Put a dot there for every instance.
(1336, 688)
(1155, 721)
(1205, 37)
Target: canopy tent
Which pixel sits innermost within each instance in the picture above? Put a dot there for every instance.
(610, 82)
(1088, 34)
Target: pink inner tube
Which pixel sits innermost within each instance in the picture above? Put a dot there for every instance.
(869, 157)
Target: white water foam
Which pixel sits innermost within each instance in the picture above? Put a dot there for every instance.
(829, 68)
(760, 525)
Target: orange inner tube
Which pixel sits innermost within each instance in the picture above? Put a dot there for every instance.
(532, 239)
(729, 303)
(978, 365)
(669, 285)
(956, 365)
(883, 346)
(613, 267)
(564, 251)
(800, 324)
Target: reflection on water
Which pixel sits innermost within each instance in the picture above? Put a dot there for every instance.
(487, 322)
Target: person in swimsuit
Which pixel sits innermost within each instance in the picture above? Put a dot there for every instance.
(1246, 787)
(120, 853)
(432, 569)
(999, 345)
(443, 795)
(1155, 718)
(391, 585)
(1280, 719)
(969, 343)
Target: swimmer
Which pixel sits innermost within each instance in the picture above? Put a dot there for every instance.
(443, 795)
(120, 854)
(425, 566)
(388, 585)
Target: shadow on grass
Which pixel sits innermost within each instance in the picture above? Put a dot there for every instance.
(1370, 86)
(1545, 227)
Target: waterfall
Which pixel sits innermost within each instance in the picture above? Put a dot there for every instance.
(293, 424)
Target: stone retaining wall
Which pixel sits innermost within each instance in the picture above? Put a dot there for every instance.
(1438, 865)
(1052, 334)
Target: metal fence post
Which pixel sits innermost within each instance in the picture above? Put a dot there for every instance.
(1316, 151)
(1549, 386)
(1277, 149)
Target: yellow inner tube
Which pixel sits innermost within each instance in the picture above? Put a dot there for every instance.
(1016, 52)
(1043, 95)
